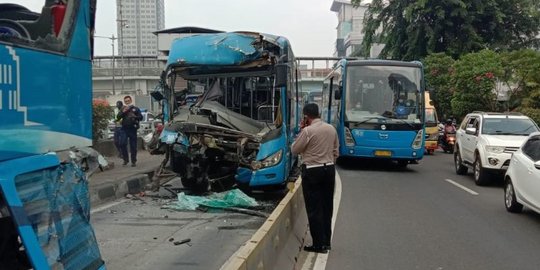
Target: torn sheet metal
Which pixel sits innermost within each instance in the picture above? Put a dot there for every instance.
(222, 49)
(222, 200)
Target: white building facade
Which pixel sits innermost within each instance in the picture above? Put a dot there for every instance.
(137, 20)
(350, 27)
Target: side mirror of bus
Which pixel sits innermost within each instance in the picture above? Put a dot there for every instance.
(157, 95)
(337, 94)
(281, 75)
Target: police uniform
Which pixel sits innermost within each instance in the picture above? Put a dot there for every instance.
(319, 147)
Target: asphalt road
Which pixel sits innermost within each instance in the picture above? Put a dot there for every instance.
(137, 234)
(416, 218)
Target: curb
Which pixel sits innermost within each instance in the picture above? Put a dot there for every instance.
(128, 185)
(278, 242)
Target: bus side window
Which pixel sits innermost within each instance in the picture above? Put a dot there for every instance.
(19, 25)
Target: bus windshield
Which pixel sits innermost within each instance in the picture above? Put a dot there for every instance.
(431, 117)
(384, 92)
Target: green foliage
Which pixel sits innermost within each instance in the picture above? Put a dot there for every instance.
(522, 75)
(101, 113)
(412, 29)
(474, 81)
(439, 72)
(534, 114)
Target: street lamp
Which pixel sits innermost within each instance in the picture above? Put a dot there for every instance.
(123, 25)
(112, 38)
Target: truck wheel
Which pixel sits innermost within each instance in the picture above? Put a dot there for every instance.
(458, 162)
(480, 174)
(510, 201)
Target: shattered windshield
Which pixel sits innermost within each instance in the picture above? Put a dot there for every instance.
(242, 103)
(387, 92)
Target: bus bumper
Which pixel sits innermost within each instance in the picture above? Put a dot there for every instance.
(431, 145)
(383, 153)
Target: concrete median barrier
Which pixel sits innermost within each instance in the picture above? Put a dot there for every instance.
(277, 244)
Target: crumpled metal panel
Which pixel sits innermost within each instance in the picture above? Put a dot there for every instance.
(57, 204)
(223, 49)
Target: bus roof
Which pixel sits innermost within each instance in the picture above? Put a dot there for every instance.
(380, 62)
(226, 49)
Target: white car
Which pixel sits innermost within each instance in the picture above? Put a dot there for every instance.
(522, 180)
(486, 141)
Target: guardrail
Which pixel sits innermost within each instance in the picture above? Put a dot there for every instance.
(277, 244)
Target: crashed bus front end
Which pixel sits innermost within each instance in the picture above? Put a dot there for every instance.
(237, 132)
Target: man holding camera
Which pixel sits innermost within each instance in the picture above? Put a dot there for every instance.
(130, 117)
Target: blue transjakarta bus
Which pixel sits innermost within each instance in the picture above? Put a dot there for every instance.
(377, 107)
(45, 132)
(240, 129)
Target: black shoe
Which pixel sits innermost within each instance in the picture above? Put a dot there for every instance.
(125, 163)
(133, 164)
(320, 249)
(327, 247)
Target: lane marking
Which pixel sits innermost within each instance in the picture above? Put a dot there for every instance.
(105, 207)
(322, 259)
(462, 187)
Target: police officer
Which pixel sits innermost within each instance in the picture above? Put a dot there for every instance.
(130, 116)
(318, 145)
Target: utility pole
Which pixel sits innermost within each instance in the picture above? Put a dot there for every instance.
(112, 38)
(123, 24)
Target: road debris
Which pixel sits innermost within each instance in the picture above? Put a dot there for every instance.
(185, 241)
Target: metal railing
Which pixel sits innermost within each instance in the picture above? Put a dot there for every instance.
(102, 66)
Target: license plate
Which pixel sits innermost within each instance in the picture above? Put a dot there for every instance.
(380, 153)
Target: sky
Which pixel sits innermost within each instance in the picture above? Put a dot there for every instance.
(309, 25)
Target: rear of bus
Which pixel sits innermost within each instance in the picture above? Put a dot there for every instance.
(432, 130)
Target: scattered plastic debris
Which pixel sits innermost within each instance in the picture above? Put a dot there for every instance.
(222, 200)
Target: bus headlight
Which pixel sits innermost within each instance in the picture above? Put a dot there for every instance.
(349, 139)
(417, 143)
(270, 161)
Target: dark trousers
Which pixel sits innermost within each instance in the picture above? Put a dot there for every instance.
(131, 135)
(318, 186)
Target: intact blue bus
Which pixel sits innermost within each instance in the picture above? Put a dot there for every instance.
(45, 132)
(377, 107)
(240, 129)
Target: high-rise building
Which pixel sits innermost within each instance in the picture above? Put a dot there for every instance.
(350, 28)
(136, 22)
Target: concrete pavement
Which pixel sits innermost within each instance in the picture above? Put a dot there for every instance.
(118, 180)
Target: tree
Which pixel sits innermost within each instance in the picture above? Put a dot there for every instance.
(522, 76)
(439, 71)
(101, 114)
(474, 81)
(412, 29)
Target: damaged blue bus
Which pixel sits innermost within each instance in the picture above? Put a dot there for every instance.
(240, 130)
(377, 107)
(45, 134)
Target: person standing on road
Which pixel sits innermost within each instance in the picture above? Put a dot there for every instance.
(119, 137)
(131, 116)
(318, 145)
